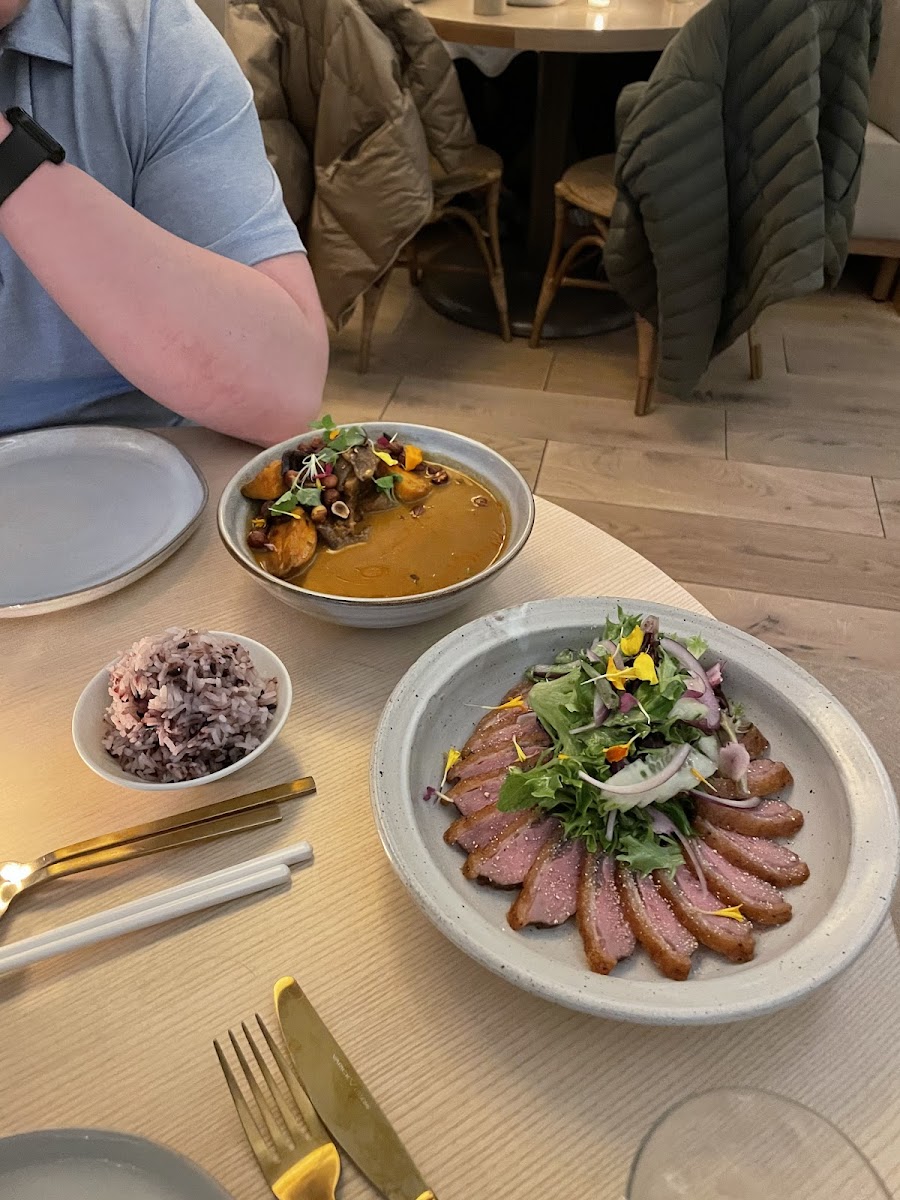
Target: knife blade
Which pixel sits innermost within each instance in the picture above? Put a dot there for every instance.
(343, 1101)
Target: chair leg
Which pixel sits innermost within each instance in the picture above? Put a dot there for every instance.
(371, 303)
(498, 278)
(646, 339)
(887, 273)
(495, 274)
(412, 263)
(550, 286)
(756, 354)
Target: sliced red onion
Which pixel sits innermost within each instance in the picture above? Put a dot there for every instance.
(660, 823)
(714, 675)
(627, 702)
(693, 694)
(734, 761)
(650, 625)
(601, 712)
(592, 655)
(750, 802)
(610, 823)
(698, 680)
(672, 767)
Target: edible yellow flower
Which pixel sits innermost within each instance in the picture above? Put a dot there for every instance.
(641, 668)
(385, 457)
(644, 668)
(520, 753)
(516, 702)
(616, 753)
(631, 645)
(733, 914)
(453, 757)
(563, 757)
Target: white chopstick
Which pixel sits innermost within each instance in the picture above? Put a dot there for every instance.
(254, 875)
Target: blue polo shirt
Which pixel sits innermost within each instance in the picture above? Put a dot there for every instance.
(146, 97)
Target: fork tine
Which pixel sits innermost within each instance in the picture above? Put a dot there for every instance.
(282, 1143)
(299, 1134)
(310, 1116)
(251, 1129)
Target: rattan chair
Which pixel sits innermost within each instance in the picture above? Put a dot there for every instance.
(479, 176)
(590, 186)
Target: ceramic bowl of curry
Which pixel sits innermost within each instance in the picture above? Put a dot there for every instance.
(376, 525)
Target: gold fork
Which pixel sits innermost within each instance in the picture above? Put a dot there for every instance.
(298, 1158)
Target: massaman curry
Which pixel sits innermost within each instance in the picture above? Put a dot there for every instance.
(349, 516)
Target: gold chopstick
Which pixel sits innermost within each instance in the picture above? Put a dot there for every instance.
(292, 790)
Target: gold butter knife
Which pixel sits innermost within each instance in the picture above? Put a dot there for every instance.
(342, 1100)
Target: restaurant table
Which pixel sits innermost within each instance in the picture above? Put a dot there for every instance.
(496, 1092)
(558, 34)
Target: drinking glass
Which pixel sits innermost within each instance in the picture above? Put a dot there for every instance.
(745, 1144)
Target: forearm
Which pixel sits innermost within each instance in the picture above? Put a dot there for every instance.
(216, 341)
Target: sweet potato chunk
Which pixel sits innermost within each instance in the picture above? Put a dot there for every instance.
(294, 542)
(267, 485)
(409, 487)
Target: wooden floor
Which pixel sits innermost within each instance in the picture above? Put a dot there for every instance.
(777, 503)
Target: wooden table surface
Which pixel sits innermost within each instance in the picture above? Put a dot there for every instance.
(573, 26)
(496, 1092)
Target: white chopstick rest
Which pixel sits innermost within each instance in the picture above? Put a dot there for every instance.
(244, 879)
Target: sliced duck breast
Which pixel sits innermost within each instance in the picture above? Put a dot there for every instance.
(655, 925)
(764, 776)
(494, 760)
(694, 907)
(758, 900)
(754, 742)
(607, 936)
(478, 792)
(524, 727)
(479, 829)
(770, 819)
(760, 856)
(549, 895)
(507, 859)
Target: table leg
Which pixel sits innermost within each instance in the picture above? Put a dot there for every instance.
(465, 296)
(553, 114)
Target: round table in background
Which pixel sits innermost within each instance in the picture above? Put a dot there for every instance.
(558, 35)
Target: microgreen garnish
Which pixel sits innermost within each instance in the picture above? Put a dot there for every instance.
(337, 439)
(386, 483)
(296, 496)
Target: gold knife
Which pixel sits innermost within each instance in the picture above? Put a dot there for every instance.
(343, 1101)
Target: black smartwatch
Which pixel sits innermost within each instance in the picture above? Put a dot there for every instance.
(23, 150)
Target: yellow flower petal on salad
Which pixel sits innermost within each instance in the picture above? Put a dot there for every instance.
(520, 753)
(453, 757)
(516, 702)
(644, 668)
(631, 645)
(616, 753)
(734, 914)
(563, 757)
(618, 678)
(385, 457)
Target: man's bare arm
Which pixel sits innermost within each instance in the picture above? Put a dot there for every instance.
(243, 350)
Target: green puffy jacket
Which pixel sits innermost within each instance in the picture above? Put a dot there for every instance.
(738, 169)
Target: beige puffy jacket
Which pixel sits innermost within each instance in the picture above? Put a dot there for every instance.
(355, 97)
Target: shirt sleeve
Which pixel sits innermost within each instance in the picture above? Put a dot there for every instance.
(204, 175)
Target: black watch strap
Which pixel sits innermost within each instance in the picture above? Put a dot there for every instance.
(23, 150)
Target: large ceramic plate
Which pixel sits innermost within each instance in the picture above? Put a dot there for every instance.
(87, 510)
(90, 1164)
(850, 838)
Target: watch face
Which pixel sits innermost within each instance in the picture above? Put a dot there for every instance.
(19, 117)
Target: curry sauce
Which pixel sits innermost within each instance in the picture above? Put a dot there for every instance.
(455, 532)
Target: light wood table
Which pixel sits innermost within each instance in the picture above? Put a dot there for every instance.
(497, 1093)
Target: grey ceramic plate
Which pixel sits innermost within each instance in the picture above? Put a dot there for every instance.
(850, 838)
(86, 511)
(91, 1164)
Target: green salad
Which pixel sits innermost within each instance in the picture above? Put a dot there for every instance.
(637, 724)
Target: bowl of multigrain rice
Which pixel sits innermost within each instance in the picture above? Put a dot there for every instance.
(180, 709)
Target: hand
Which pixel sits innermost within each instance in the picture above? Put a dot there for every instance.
(5, 127)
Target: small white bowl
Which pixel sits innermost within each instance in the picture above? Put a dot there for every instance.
(89, 727)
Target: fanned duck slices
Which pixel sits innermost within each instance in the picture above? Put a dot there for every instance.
(621, 786)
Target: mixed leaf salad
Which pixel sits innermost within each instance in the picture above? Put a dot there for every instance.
(637, 725)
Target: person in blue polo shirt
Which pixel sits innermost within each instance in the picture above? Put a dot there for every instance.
(154, 275)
